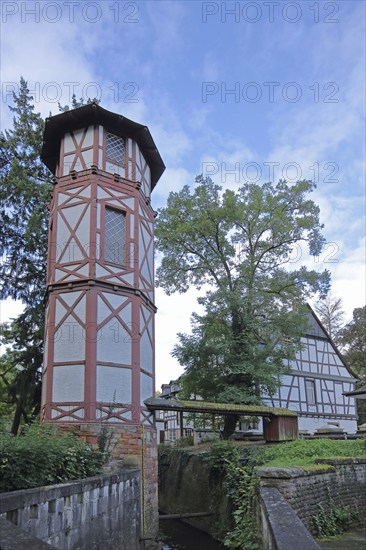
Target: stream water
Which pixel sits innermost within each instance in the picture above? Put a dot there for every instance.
(176, 535)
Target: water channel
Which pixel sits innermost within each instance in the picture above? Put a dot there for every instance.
(177, 535)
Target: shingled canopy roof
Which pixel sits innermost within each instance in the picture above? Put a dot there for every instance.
(74, 119)
(360, 393)
(161, 404)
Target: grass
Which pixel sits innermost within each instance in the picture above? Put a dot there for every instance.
(304, 453)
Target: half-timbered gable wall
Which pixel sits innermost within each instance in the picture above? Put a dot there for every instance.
(317, 383)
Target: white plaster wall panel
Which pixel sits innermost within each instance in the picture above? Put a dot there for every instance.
(73, 200)
(44, 387)
(83, 230)
(67, 163)
(69, 342)
(114, 384)
(78, 165)
(286, 380)
(148, 177)
(100, 158)
(78, 134)
(66, 199)
(99, 218)
(129, 202)
(129, 170)
(86, 192)
(326, 396)
(45, 352)
(70, 297)
(100, 271)
(115, 168)
(89, 137)
(68, 383)
(102, 194)
(83, 270)
(146, 353)
(133, 256)
(150, 263)
(114, 343)
(338, 361)
(146, 387)
(144, 188)
(114, 202)
(79, 309)
(68, 143)
(302, 389)
(128, 277)
(98, 251)
(295, 393)
(101, 135)
(72, 252)
(338, 387)
(116, 301)
(73, 213)
(62, 236)
(132, 226)
(312, 353)
(60, 312)
(88, 157)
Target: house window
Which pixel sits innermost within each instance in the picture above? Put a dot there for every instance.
(310, 392)
(115, 149)
(115, 236)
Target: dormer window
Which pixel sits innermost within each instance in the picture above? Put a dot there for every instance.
(115, 149)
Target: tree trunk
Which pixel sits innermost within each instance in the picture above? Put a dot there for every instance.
(16, 419)
(229, 425)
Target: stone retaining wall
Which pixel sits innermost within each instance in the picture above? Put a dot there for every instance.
(342, 483)
(91, 514)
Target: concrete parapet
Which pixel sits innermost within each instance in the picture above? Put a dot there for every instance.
(281, 527)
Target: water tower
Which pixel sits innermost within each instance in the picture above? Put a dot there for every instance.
(99, 342)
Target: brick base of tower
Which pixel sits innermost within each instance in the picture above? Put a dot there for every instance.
(132, 446)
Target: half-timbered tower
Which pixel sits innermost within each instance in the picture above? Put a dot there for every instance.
(317, 383)
(99, 342)
(99, 358)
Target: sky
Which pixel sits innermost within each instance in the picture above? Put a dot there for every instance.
(248, 91)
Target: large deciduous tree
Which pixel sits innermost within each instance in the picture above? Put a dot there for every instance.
(239, 246)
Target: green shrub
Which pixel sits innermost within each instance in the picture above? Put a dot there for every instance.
(333, 522)
(222, 454)
(43, 456)
(186, 441)
(241, 485)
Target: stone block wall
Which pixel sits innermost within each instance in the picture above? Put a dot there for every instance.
(343, 483)
(92, 514)
(134, 445)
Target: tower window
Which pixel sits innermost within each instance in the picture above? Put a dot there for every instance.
(115, 236)
(115, 148)
(310, 391)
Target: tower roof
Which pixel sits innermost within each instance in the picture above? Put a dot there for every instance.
(74, 119)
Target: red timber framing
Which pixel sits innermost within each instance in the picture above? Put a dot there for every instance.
(99, 345)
